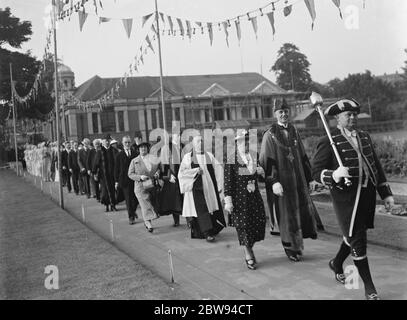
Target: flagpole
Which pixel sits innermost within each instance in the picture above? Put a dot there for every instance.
(161, 70)
(14, 117)
(58, 134)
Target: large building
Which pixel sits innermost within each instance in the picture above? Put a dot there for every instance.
(243, 100)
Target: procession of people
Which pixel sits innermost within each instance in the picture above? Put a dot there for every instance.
(198, 187)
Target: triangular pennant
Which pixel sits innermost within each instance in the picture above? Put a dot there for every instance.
(101, 4)
(153, 29)
(210, 31)
(311, 8)
(189, 31)
(238, 31)
(149, 43)
(103, 19)
(181, 26)
(338, 5)
(82, 18)
(254, 24)
(142, 59)
(287, 10)
(162, 17)
(145, 18)
(171, 24)
(127, 23)
(225, 28)
(270, 15)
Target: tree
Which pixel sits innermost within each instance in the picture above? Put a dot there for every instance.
(13, 33)
(292, 69)
(405, 71)
(369, 91)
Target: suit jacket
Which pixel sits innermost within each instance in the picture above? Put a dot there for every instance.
(90, 159)
(137, 168)
(64, 159)
(82, 157)
(121, 169)
(73, 161)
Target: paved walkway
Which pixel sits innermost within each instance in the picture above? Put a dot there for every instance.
(217, 270)
(35, 233)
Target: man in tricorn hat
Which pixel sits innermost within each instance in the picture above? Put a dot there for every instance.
(354, 200)
(288, 173)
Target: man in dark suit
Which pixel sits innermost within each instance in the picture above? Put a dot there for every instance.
(66, 175)
(122, 180)
(94, 185)
(354, 199)
(83, 166)
(73, 166)
(138, 138)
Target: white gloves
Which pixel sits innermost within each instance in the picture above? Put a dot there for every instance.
(173, 179)
(389, 203)
(143, 178)
(278, 189)
(116, 185)
(340, 173)
(228, 204)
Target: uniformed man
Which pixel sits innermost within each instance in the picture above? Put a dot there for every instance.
(354, 202)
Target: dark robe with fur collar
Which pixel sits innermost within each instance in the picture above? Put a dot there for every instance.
(284, 160)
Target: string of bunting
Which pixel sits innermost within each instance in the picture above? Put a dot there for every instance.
(133, 69)
(33, 93)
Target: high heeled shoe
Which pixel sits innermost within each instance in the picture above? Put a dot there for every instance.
(293, 256)
(250, 264)
(149, 229)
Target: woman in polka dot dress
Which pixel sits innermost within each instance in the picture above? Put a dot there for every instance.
(243, 199)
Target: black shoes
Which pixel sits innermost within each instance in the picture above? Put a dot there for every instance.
(372, 296)
(339, 276)
(176, 224)
(210, 239)
(149, 229)
(251, 264)
(132, 221)
(292, 256)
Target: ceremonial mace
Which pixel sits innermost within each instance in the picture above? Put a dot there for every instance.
(316, 101)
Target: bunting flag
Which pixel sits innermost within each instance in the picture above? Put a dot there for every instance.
(270, 15)
(162, 17)
(103, 19)
(128, 23)
(171, 24)
(199, 24)
(338, 5)
(311, 8)
(145, 18)
(210, 31)
(287, 10)
(238, 31)
(82, 18)
(254, 24)
(181, 26)
(154, 29)
(149, 44)
(189, 30)
(225, 28)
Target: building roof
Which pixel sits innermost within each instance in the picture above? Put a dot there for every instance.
(194, 86)
(304, 114)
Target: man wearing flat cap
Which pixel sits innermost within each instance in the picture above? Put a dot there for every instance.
(288, 174)
(353, 187)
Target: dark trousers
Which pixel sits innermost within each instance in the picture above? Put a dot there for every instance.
(75, 181)
(94, 187)
(66, 179)
(131, 201)
(84, 186)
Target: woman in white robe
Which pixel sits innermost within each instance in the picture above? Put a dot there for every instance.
(201, 180)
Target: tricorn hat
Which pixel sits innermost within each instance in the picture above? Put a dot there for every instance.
(342, 106)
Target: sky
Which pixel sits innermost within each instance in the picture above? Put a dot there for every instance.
(371, 37)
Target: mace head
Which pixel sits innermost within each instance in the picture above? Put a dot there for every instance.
(316, 99)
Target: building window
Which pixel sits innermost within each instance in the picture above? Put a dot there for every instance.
(267, 107)
(120, 116)
(218, 109)
(95, 125)
(246, 112)
(108, 121)
(207, 115)
(153, 118)
(188, 116)
(177, 114)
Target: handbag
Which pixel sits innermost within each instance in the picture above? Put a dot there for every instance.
(148, 184)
